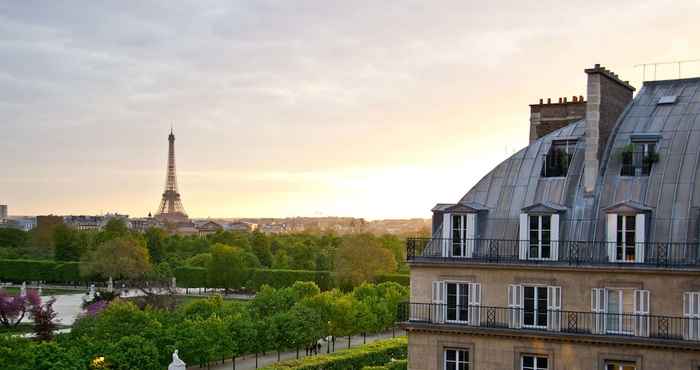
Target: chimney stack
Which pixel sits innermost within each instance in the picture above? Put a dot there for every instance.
(608, 96)
(545, 118)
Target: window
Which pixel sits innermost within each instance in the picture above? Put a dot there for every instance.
(620, 311)
(620, 365)
(535, 306)
(540, 237)
(637, 158)
(457, 359)
(459, 233)
(625, 242)
(457, 302)
(531, 362)
(556, 161)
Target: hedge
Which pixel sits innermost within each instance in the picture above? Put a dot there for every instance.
(403, 279)
(393, 365)
(196, 277)
(35, 270)
(377, 353)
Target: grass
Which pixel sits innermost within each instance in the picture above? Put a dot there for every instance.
(46, 292)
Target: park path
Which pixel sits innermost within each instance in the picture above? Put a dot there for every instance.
(248, 362)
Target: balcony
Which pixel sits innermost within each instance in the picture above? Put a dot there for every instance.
(553, 321)
(637, 163)
(500, 251)
(556, 163)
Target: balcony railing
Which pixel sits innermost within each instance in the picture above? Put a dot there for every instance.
(554, 252)
(554, 321)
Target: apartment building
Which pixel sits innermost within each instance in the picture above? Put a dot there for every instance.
(581, 251)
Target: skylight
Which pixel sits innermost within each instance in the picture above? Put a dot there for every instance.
(667, 99)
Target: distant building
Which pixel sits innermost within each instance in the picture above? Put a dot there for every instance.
(208, 227)
(143, 224)
(24, 223)
(84, 223)
(3, 211)
(241, 226)
(273, 228)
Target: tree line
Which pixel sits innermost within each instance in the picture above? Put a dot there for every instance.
(124, 336)
(354, 258)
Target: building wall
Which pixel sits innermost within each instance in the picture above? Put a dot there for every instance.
(425, 351)
(576, 284)
(3, 211)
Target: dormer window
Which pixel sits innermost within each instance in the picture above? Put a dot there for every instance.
(638, 158)
(556, 162)
(539, 232)
(626, 231)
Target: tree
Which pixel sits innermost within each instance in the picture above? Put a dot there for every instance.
(228, 267)
(133, 352)
(261, 247)
(44, 316)
(155, 243)
(280, 260)
(13, 308)
(13, 238)
(199, 260)
(360, 258)
(120, 258)
(66, 243)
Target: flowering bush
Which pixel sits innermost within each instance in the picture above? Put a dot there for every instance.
(13, 308)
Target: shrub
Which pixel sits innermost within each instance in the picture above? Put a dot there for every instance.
(377, 353)
(393, 365)
(191, 277)
(36, 270)
(403, 279)
(278, 278)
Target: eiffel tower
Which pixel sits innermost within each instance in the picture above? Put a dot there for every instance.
(170, 209)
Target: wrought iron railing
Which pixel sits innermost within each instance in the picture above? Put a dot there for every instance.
(555, 321)
(554, 252)
(638, 163)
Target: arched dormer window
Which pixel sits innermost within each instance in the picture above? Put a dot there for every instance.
(539, 231)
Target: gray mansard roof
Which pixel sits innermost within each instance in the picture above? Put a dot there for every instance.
(671, 193)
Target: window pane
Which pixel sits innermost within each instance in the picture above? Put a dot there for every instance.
(546, 222)
(541, 363)
(451, 355)
(534, 223)
(464, 356)
(451, 366)
(528, 362)
(630, 223)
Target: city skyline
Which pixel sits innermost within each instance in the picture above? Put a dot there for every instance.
(295, 109)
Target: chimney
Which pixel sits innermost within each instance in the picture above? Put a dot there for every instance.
(545, 118)
(608, 96)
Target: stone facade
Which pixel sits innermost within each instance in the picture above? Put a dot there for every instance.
(504, 352)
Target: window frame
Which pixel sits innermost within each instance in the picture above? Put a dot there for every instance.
(539, 244)
(623, 234)
(622, 316)
(535, 357)
(457, 361)
(460, 307)
(536, 306)
(461, 231)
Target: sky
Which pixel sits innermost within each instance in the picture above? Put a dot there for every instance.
(374, 109)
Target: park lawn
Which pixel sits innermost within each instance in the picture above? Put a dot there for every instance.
(47, 292)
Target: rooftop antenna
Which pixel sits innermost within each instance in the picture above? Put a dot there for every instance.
(678, 63)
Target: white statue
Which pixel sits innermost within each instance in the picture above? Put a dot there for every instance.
(40, 289)
(110, 285)
(23, 289)
(91, 293)
(173, 284)
(177, 364)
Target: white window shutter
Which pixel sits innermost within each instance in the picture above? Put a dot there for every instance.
(524, 235)
(639, 236)
(555, 236)
(554, 308)
(475, 304)
(438, 308)
(612, 236)
(641, 312)
(515, 304)
(446, 234)
(598, 304)
(691, 313)
(470, 237)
